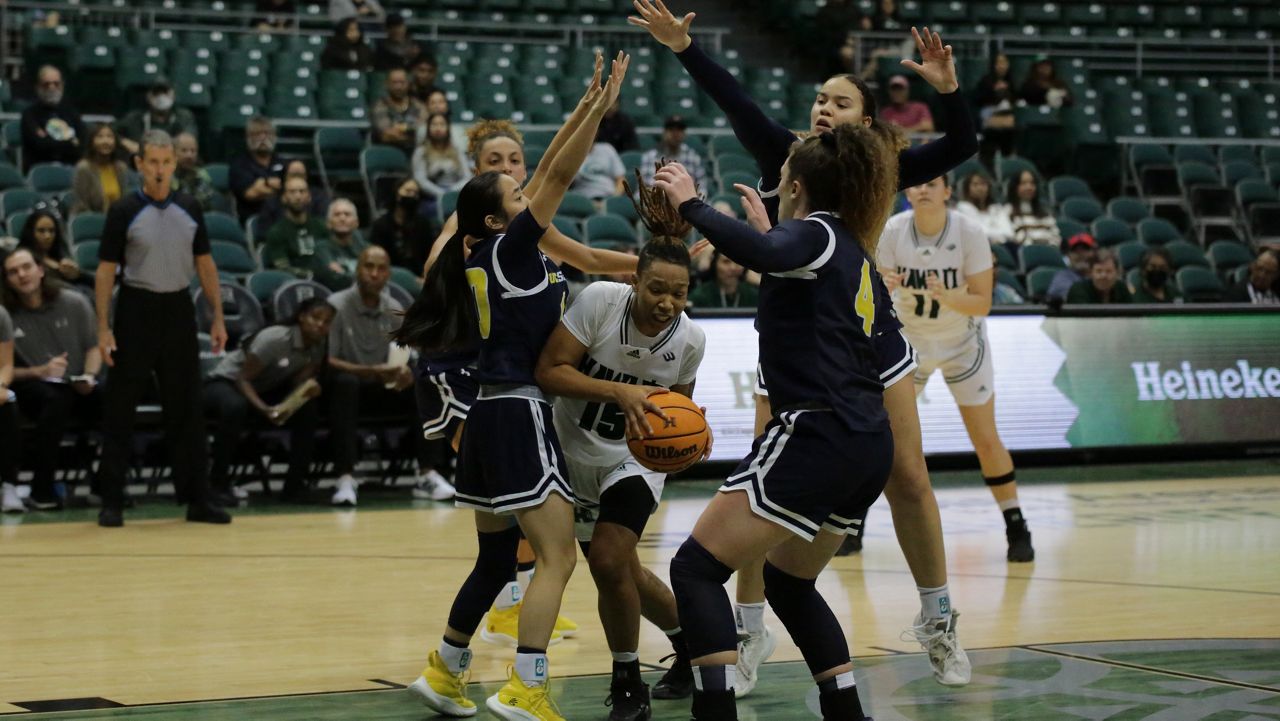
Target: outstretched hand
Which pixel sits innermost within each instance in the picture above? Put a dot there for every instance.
(665, 27)
(617, 74)
(757, 216)
(936, 65)
(675, 181)
(593, 90)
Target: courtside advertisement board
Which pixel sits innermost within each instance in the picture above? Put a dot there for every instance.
(1065, 382)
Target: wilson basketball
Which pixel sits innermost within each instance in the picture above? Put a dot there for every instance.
(676, 443)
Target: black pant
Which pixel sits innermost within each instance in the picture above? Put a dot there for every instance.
(233, 414)
(50, 406)
(155, 332)
(347, 395)
(8, 442)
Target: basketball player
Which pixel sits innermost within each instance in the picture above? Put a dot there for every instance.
(616, 346)
(445, 389)
(507, 296)
(845, 99)
(826, 454)
(937, 264)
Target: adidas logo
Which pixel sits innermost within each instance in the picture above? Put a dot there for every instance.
(634, 353)
(982, 389)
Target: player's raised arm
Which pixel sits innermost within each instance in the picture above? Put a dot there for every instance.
(562, 136)
(922, 163)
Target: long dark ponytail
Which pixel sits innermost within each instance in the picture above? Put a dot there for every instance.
(442, 318)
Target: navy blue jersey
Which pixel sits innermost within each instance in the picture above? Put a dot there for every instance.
(818, 308)
(520, 295)
(429, 365)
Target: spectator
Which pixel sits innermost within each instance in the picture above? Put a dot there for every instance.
(1032, 223)
(994, 96)
(339, 255)
(51, 129)
(422, 79)
(1003, 293)
(397, 49)
(42, 235)
(10, 501)
(672, 147)
(1260, 287)
(396, 117)
(726, 288)
(275, 15)
(912, 115)
(255, 177)
(56, 380)
(1081, 249)
(273, 208)
(402, 232)
(1104, 285)
(1157, 276)
(346, 49)
(340, 10)
(362, 371)
(1043, 87)
(438, 104)
(293, 243)
(160, 114)
(887, 16)
(601, 173)
(260, 375)
(101, 177)
(438, 165)
(977, 201)
(189, 177)
(618, 129)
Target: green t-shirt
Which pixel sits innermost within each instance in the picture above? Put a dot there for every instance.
(295, 247)
(708, 295)
(345, 256)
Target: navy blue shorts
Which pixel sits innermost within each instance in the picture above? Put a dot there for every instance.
(444, 400)
(807, 472)
(510, 456)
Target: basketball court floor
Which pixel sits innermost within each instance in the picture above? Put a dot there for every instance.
(1154, 596)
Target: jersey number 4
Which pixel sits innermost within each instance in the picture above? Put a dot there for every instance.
(479, 282)
(865, 304)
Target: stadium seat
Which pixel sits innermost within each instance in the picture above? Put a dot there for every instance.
(1225, 256)
(735, 163)
(1031, 257)
(11, 177)
(233, 258)
(1263, 222)
(448, 202)
(1194, 154)
(400, 294)
(219, 175)
(1109, 232)
(1012, 167)
(1129, 210)
(12, 201)
(407, 280)
(223, 227)
(1184, 254)
(1199, 285)
(264, 283)
(240, 310)
(288, 297)
(1004, 258)
(1237, 170)
(337, 153)
(1038, 282)
(608, 229)
(728, 180)
(17, 222)
(570, 227)
(1129, 253)
(1083, 209)
(378, 164)
(1158, 231)
(50, 178)
(1153, 167)
(576, 205)
(1068, 227)
(1065, 187)
(622, 206)
(86, 226)
(1205, 193)
(1009, 278)
(86, 256)
(1237, 153)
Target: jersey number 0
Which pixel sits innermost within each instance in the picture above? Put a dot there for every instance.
(479, 282)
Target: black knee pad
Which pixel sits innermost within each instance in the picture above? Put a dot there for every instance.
(495, 566)
(1007, 478)
(627, 504)
(698, 579)
(808, 619)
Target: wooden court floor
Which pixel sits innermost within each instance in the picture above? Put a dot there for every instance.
(1150, 598)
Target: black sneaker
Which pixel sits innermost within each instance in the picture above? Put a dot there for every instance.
(203, 513)
(110, 517)
(629, 702)
(1020, 550)
(677, 682)
(852, 544)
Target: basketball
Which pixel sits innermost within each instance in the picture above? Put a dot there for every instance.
(676, 444)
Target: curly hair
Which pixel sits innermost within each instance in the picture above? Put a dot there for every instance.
(485, 130)
(852, 170)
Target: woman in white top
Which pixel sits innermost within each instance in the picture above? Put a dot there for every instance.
(437, 165)
(978, 202)
(1033, 224)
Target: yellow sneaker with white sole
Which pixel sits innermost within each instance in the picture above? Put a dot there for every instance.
(565, 627)
(502, 627)
(517, 702)
(443, 691)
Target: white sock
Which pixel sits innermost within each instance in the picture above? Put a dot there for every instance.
(457, 658)
(750, 617)
(509, 597)
(525, 578)
(935, 603)
(532, 668)
(1009, 505)
(628, 657)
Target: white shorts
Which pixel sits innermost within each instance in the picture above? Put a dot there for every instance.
(965, 363)
(589, 482)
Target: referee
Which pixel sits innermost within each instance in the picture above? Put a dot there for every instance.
(159, 239)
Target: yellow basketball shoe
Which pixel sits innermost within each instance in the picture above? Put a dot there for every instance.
(502, 627)
(565, 627)
(442, 691)
(517, 702)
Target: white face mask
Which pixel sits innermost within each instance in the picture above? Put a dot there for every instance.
(162, 102)
(50, 97)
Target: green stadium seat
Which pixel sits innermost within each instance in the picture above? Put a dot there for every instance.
(1009, 278)
(1013, 167)
(1128, 210)
(222, 227)
(11, 177)
(16, 199)
(1109, 232)
(1134, 278)
(608, 229)
(50, 178)
(726, 144)
(406, 279)
(1184, 254)
(1031, 257)
(576, 205)
(1235, 16)
(337, 155)
(233, 258)
(1068, 227)
(86, 226)
(1226, 255)
(86, 256)
(622, 206)
(1085, 14)
(1216, 116)
(1172, 116)
(381, 166)
(735, 163)
(1132, 14)
(1038, 282)
(114, 36)
(93, 57)
(1252, 191)
(263, 284)
(1129, 254)
(1237, 153)
(1004, 258)
(1199, 285)
(728, 180)
(1083, 209)
(570, 227)
(17, 222)
(1153, 167)
(1158, 231)
(1064, 187)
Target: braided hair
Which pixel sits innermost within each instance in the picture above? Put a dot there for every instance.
(667, 226)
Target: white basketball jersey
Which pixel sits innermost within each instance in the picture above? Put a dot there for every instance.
(600, 318)
(959, 251)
